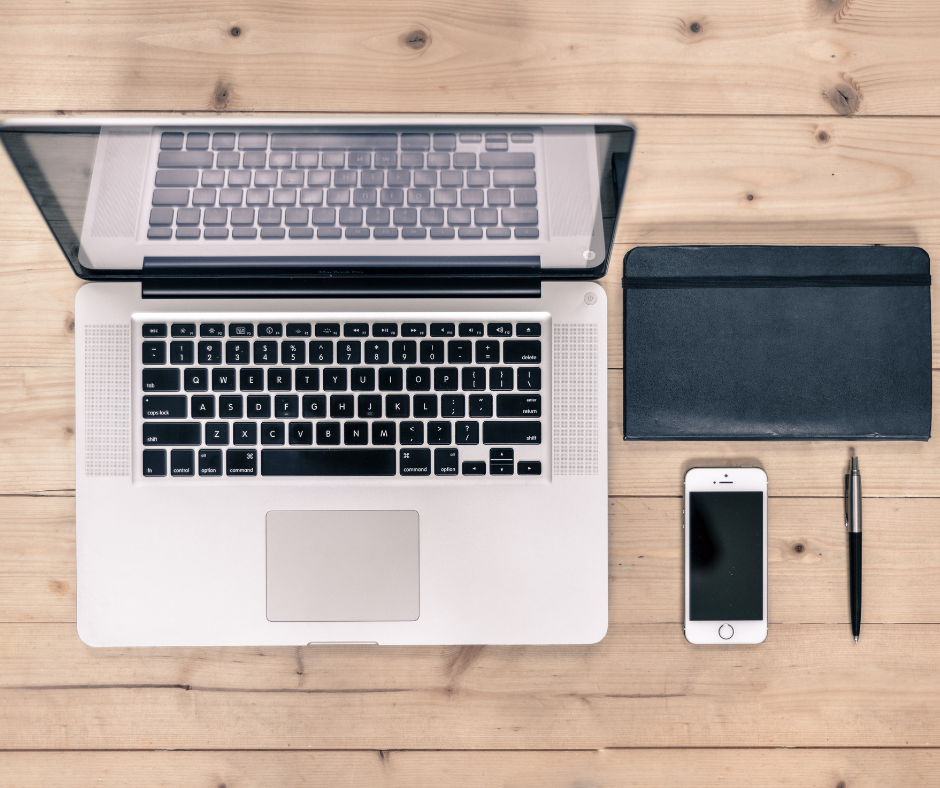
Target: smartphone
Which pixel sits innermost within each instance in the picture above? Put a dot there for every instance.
(725, 520)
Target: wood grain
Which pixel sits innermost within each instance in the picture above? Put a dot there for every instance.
(400, 769)
(734, 57)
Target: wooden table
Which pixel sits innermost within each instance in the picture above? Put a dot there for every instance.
(795, 121)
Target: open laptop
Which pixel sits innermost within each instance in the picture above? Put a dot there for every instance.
(337, 380)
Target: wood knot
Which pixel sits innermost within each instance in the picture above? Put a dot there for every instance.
(695, 27)
(798, 548)
(822, 137)
(221, 96)
(750, 197)
(417, 39)
(70, 323)
(69, 432)
(840, 784)
(59, 587)
(843, 98)
(235, 32)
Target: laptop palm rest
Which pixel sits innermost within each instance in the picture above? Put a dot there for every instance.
(342, 566)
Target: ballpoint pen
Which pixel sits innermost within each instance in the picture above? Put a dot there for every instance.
(853, 521)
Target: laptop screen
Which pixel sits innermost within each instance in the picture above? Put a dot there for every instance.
(161, 192)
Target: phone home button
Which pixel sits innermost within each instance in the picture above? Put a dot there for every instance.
(725, 631)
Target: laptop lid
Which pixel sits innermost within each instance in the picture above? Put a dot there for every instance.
(248, 206)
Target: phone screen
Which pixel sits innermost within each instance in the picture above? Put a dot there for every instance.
(726, 556)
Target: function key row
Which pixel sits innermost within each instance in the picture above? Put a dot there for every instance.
(209, 330)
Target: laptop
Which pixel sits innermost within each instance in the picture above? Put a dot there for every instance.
(338, 380)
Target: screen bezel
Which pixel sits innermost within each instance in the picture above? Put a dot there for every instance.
(724, 480)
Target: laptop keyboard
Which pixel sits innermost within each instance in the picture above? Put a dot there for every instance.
(354, 186)
(343, 398)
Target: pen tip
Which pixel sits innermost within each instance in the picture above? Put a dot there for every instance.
(856, 640)
(855, 463)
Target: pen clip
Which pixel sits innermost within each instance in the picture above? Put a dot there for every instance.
(845, 500)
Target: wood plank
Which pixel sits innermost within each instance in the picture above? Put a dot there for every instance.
(807, 561)
(790, 57)
(642, 686)
(526, 769)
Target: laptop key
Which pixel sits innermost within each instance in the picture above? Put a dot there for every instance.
(245, 433)
(518, 406)
(467, 433)
(161, 379)
(188, 158)
(154, 330)
(272, 433)
(154, 352)
(166, 433)
(492, 160)
(522, 351)
(298, 330)
(164, 407)
(445, 462)
(415, 462)
(210, 462)
(182, 462)
(328, 462)
(241, 462)
(154, 462)
(473, 469)
(509, 433)
(217, 433)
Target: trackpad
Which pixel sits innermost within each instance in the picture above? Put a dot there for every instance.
(342, 566)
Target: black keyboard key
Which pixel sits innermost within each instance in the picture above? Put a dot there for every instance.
(259, 406)
(328, 433)
(362, 379)
(405, 351)
(439, 433)
(341, 406)
(471, 329)
(157, 407)
(171, 140)
(279, 379)
(202, 407)
(529, 468)
(286, 406)
(445, 462)
(385, 329)
(518, 406)
(425, 406)
(237, 353)
(217, 433)
(528, 329)
(151, 330)
(397, 406)
(328, 462)
(241, 329)
(196, 380)
(183, 330)
(167, 433)
(391, 379)
(244, 433)
(473, 378)
(467, 433)
(445, 379)
(481, 406)
(181, 352)
(223, 379)
(313, 406)
(355, 433)
(307, 379)
(411, 433)
(383, 433)
(298, 330)
(459, 351)
(432, 351)
(474, 469)
(522, 351)
(210, 352)
(334, 379)
(453, 406)
(270, 329)
(210, 462)
(265, 352)
(230, 406)
(413, 330)
(501, 378)
(241, 462)
(321, 352)
(529, 379)
(300, 433)
(272, 433)
(348, 352)
(161, 379)
(442, 329)
(153, 353)
(487, 351)
(154, 462)
(327, 329)
(251, 379)
(499, 329)
(180, 158)
(415, 462)
(293, 352)
(377, 352)
(512, 432)
(418, 379)
(356, 330)
(369, 406)
(182, 462)
(212, 330)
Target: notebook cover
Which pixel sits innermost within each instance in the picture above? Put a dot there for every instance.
(776, 343)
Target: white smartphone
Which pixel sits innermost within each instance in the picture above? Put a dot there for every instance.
(725, 520)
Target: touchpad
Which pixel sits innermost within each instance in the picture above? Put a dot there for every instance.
(342, 566)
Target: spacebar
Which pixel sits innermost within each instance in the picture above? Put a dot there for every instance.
(327, 462)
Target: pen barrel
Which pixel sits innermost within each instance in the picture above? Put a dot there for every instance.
(855, 580)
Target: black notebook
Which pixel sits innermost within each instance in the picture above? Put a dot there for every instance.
(776, 343)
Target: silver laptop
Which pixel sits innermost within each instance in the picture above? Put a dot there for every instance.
(337, 381)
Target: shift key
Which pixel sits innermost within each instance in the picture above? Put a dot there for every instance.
(169, 433)
(512, 433)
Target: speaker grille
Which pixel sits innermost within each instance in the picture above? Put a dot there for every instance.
(122, 184)
(574, 399)
(107, 400)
